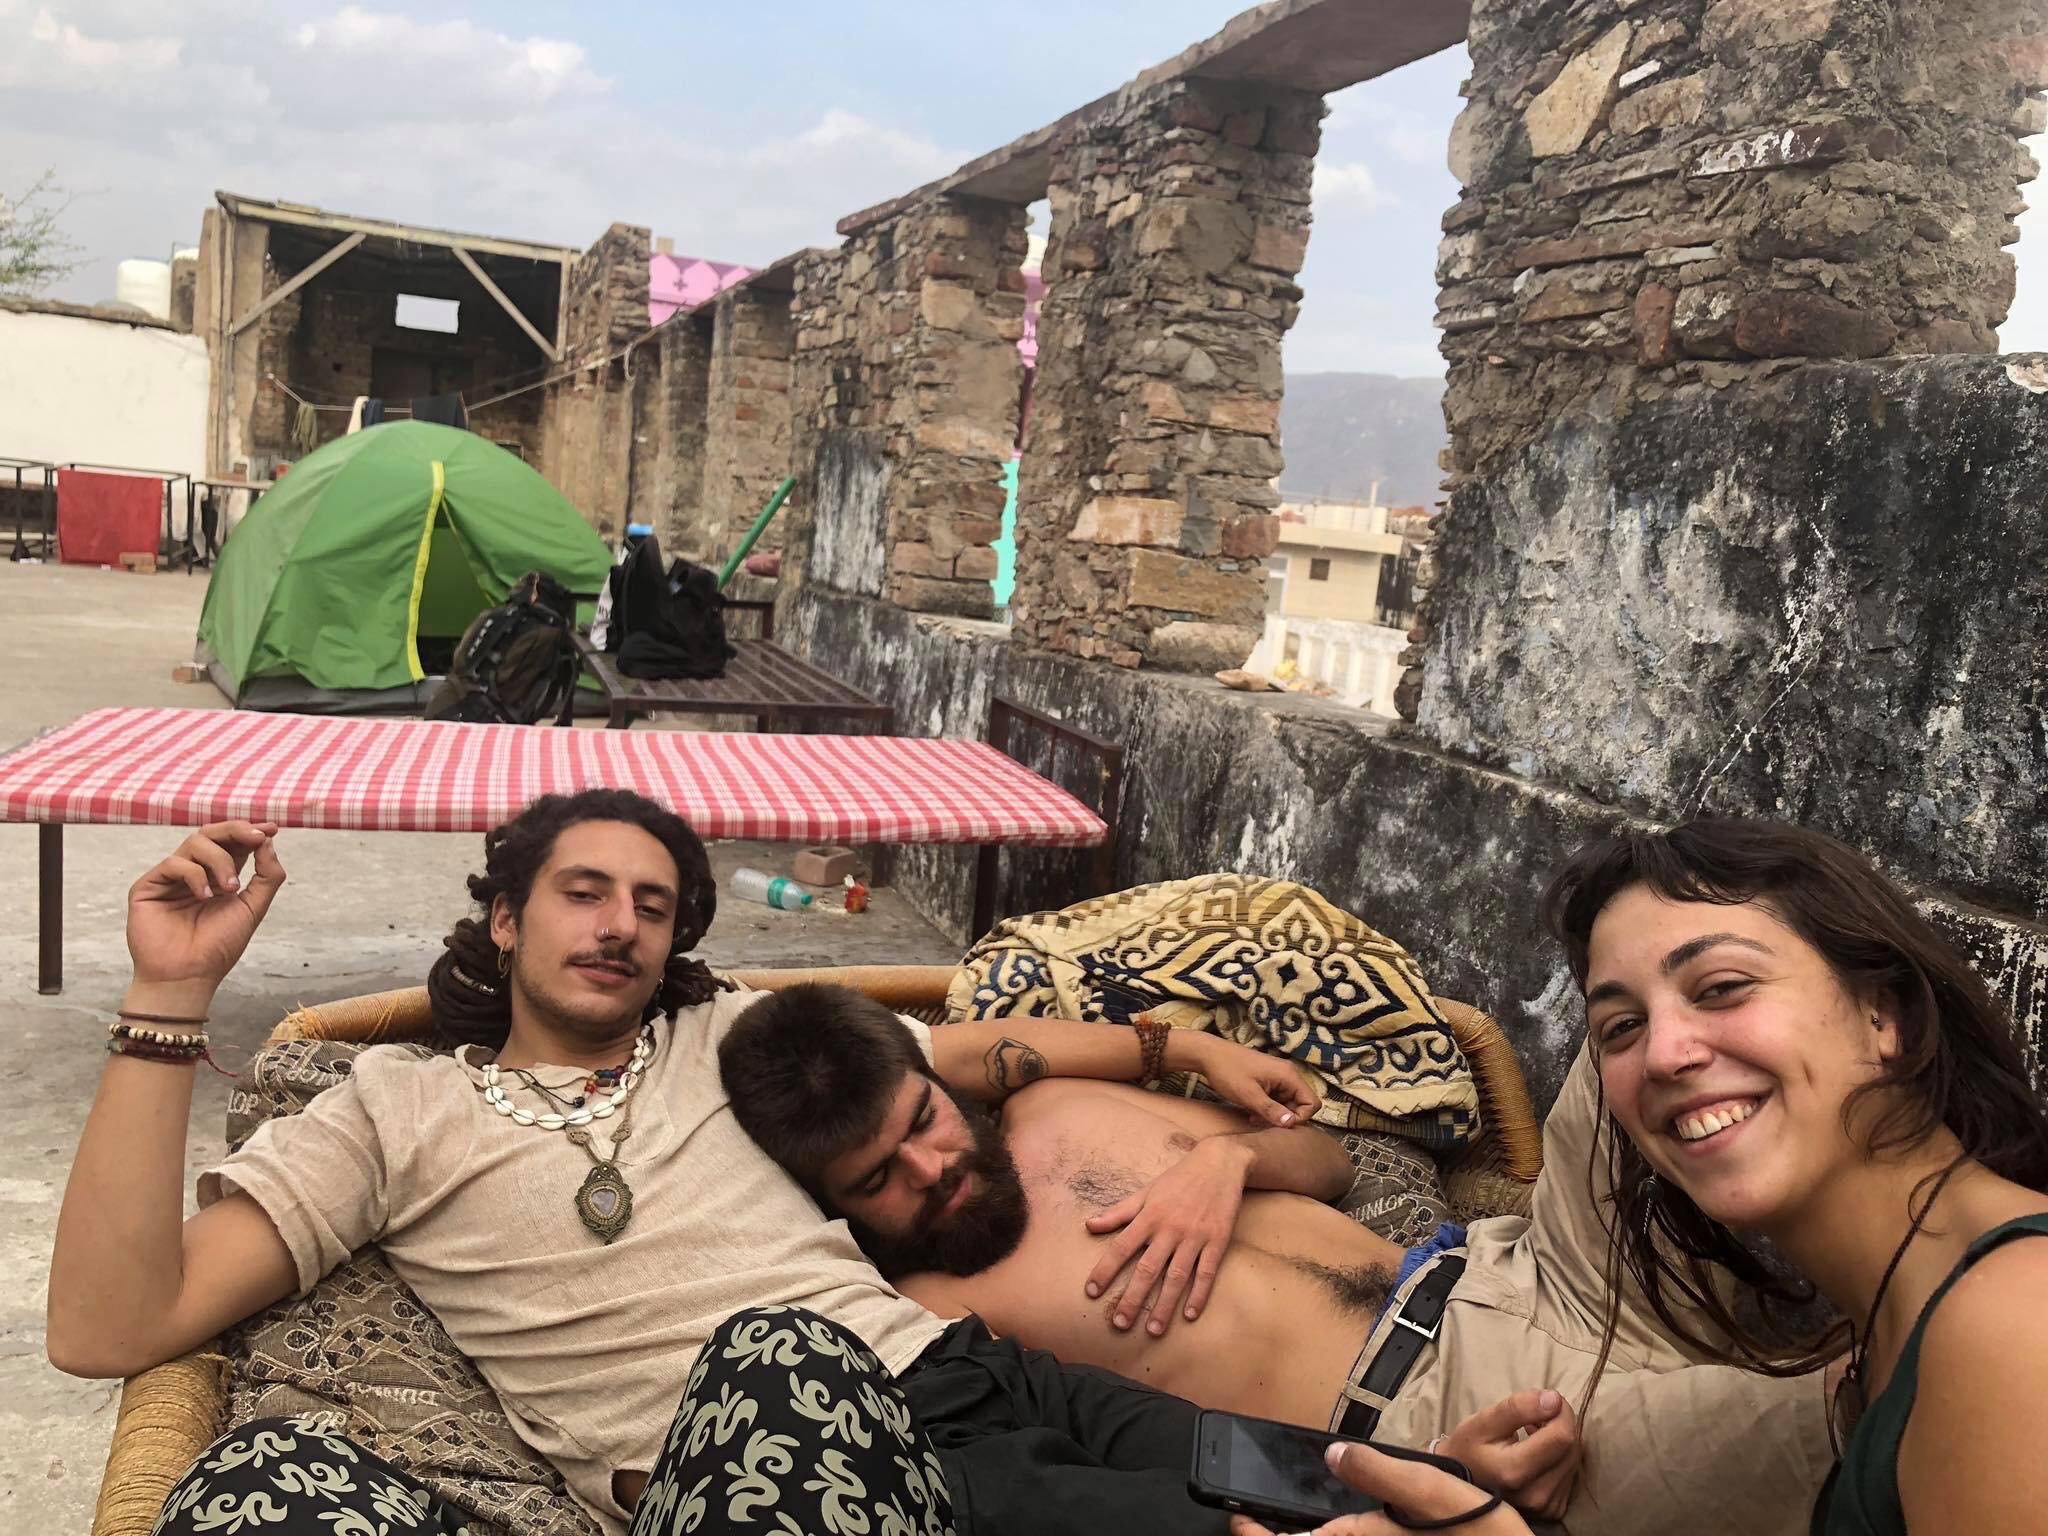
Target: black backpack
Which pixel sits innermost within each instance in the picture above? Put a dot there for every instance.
(516, 664)
(676, 630)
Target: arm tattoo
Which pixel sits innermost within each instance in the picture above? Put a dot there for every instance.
(1012, 1064)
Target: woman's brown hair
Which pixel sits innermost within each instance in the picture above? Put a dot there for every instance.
(1958, 1063)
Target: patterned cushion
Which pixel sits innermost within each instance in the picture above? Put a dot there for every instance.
(1265, 963)
(363, 1353)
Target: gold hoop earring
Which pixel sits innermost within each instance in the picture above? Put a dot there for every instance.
(504, 961)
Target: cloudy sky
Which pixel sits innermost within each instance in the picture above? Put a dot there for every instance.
(743, 132)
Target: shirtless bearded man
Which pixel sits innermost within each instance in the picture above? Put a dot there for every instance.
(1099, 1222)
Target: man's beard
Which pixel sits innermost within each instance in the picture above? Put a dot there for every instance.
(982, 1233)
(581, 1023)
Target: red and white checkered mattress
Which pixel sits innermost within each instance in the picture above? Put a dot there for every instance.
(187, 767)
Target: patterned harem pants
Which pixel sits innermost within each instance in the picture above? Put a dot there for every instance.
(789, 1427)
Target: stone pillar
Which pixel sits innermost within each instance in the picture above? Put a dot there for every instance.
(906, 352)
(587, 422)
(746, 450)
(1179, 220)
(1666, 195)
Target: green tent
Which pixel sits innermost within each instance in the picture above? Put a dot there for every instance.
(357, 571)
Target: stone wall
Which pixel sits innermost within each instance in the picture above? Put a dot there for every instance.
(684, 426)
(1447, 856)
(1741, 518)
(1179, 220)
(746, 414)
(910, 383)
(1823, 595)
(671, 388)
(588, 416)
(1669, 193)
(267, 439)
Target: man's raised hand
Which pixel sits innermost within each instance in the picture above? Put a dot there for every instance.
(192, 915)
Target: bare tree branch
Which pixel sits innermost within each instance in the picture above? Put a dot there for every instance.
(34, 252)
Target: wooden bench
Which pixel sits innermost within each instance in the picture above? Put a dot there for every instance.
(763, 680)
(188, 767)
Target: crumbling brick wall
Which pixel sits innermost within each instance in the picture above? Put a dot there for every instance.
(671, 374)
(588, 416)
(271, 413)
(910, 381)
(1179, 220)
(746, 413)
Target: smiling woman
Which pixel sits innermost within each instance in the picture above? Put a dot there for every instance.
(1790, 1050)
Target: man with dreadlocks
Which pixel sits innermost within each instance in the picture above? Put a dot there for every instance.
(571, 1195)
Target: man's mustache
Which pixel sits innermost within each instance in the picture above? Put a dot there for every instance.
(618, 959)
(935, 1202)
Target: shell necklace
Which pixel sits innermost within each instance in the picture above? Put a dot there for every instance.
(604, 1201)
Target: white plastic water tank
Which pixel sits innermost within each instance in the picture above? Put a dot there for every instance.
(146, 285)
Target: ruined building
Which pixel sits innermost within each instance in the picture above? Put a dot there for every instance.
(1742, 513)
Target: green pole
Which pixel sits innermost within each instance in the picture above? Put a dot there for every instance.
(760, 527)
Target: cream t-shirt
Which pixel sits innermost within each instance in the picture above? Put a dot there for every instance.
(588, 1345)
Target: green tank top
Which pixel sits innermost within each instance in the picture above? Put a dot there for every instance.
(1862, 1493)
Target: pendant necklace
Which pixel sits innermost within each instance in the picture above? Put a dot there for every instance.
(604, 1200)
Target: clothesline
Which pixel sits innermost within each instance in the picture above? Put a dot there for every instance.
(524, 389)
(314, 405)
(581, 367)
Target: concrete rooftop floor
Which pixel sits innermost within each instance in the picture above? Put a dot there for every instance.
(362, 912)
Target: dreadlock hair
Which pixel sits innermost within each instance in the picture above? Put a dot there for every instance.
(1958, 1064)
(811, 1072)
(472, 1002)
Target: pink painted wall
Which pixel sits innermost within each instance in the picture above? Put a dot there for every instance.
(684, 282)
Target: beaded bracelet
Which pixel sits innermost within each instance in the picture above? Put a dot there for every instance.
(144, 1050)
(121, 1029)
(1152, 1034)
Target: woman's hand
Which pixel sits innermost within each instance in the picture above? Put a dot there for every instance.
(1181, 1222)
(1271, 1089)
(1415, 1488)
(1535, 1472)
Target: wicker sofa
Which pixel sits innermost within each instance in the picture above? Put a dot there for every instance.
(169, 1414)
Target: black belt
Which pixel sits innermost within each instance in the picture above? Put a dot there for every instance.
(1414, 1326)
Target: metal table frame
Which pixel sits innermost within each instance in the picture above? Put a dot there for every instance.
(47, 537)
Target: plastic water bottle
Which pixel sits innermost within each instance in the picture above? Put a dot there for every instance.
(770, 890)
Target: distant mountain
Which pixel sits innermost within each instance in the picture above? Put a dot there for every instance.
(1342, 431)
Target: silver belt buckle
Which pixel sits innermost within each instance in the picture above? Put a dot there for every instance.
(1429, 1333)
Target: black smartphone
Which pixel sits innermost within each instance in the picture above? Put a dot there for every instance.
(1272, 1471)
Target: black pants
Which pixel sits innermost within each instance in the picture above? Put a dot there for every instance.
(1035, 1448)
(790, 1425)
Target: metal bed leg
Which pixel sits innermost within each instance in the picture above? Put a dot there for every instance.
(50, 908)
